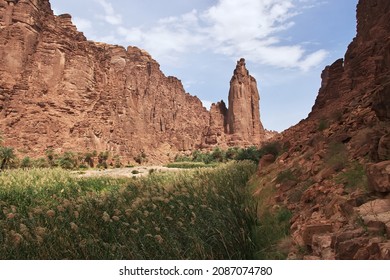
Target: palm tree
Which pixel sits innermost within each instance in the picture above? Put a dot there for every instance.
(7, 155)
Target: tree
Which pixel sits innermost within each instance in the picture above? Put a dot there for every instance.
(7, 155)
(102, 159)
(68, 160)
(88, 159)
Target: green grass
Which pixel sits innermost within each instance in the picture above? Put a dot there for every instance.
(195, 214)
(190, 165)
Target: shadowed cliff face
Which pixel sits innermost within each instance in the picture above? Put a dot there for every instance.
(335, 175)
(60, 91)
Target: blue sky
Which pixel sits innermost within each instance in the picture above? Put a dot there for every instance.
(286, 43)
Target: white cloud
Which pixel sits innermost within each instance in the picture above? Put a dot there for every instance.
(246, 28)
(110, 15)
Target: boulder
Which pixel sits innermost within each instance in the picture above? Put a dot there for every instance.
(379, 176)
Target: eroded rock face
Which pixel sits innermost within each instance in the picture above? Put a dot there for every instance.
(239, 125)
(339, 155)
(244, 115)
(60, 91)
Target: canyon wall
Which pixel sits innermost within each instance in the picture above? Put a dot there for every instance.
(60, 91)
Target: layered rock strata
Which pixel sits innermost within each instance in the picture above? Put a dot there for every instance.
(58, 90)
(338, 158)
(239, 125)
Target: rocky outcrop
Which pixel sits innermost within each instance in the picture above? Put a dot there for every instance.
(58, 90)
(338, 158)
(239, 125)
(244, 114)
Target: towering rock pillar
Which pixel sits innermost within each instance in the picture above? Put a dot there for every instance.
(244, 115)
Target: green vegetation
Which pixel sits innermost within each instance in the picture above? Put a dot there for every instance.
(273, 225)
(218, 155)
(337, 156)
(286, 175)
(197, 214)
(190, 165)
(354, 177)
(322, 125)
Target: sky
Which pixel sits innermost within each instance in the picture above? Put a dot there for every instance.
(286, 43)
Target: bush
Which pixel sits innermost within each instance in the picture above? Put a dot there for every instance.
(272, 148)
(322, 125)
(336, 156)
(67, 161)
(354, 177)
(218, 155)
(181, 158)
(26, 162)
(286, 175)
(251, 153)
(190, 165)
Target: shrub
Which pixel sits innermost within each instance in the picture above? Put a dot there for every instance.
(272, 148)
(67, 161)
(251, 153)
(322, 125)
(182, 158)
(336, 156)
(354, 177)
(26, 162)
(102, 159)
(286, 175)
(218, 155)
(190, 165)
(141, 158)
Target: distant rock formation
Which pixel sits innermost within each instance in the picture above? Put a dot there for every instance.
(60, 91)
(243, 117)
(239, 125)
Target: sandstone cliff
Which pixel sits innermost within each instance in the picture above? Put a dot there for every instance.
(335, 175)
(58, 90)
(239, 125)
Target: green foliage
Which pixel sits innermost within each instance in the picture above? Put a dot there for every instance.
(102, 159)
(322, 125)
(141, 158)
(190, 165)
(272, 148)
(7, 156)
(218, 155)
(273, 227)
(231, 153)
(40, 163)
(251, 153)
(199, 214)
(117, 161)
(26, 162)
(89, 158)
(285, 175)
(337, 156)
(67, 161)
(354, 177)
(181, 158)
(51, 157)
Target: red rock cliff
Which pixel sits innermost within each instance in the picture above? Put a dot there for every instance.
(58, 90)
